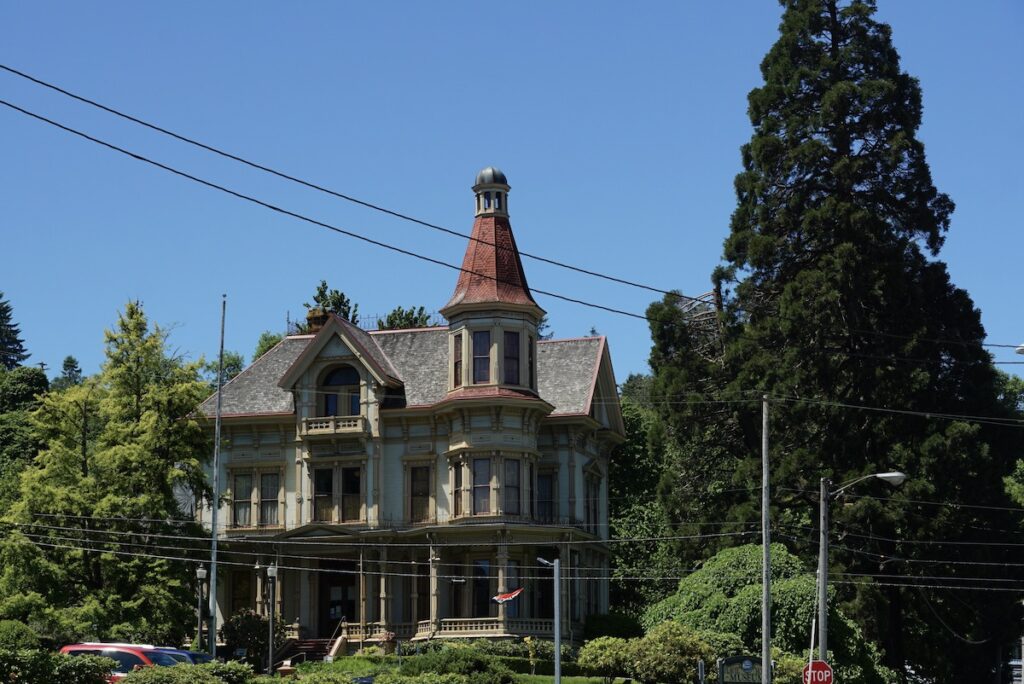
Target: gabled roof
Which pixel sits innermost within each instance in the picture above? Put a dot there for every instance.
(568, 371)
(254, 391)
(356, 339)
(492, 272)
(420, 357)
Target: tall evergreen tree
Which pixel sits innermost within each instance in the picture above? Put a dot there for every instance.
(117, 449)
(12, 347)
(831, 298)
(71, 374)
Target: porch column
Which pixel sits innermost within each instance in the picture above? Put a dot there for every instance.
(435, 617)
(502, 583)
(305, 616)
(362, 592)
(384, 583)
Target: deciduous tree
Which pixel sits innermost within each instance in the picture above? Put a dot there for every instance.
(403, 319)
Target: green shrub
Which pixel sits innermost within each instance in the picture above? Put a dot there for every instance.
(669, 653)
(229, 673)
(81, 669)
(179, 674)
(246, 630)
(325, 677)
(15, 635)
(31, 666)
(478, 668)
(612, 625)
(607, 657)
(426, 678)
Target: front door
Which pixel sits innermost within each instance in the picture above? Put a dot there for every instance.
(339, 595)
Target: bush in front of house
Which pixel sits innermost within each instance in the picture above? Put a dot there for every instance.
(247, 630)
(479, 668)
(17, 635)
(34, 665)
(179, 674)
(232, 672)
(426, 678)
(607, 657)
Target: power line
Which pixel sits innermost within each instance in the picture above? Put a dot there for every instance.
(333, 193)
(307, 219)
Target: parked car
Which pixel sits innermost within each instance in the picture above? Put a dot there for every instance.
(188, 657)
(127, 656)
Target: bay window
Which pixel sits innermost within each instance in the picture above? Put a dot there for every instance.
(511, 487)
(481, 356)
(511, 358)
(481, 486)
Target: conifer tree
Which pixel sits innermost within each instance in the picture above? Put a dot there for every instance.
(832, 297)
(12, 347)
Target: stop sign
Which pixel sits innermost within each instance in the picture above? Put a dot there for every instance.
(818, 672)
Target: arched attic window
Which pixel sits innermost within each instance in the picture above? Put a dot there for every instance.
(340, 392)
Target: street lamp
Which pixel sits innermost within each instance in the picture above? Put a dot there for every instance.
(272, 575)
(556, 566)
(201, 577)
(894, 478)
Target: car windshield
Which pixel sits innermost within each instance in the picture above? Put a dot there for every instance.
(180, 657)
(200, 658)
(162, 659)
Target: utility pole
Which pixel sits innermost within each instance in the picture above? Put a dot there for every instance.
(826, 484)
(215, 503)
(766, 566)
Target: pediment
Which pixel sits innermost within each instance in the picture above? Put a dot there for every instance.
(341, 339)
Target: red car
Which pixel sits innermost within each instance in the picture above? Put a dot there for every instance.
(127, 656)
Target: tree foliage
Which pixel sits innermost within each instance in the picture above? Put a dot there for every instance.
(333, 301)
(268, 340)
(70, 374)
(724, 596)
(403, 319)
(831, 297)
(12, 347)
(20, 390)
(234, 363)
(116, 448)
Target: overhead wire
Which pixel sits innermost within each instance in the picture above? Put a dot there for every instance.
(333, 193)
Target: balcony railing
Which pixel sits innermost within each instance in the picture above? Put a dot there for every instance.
(327, 426)
(489, 626)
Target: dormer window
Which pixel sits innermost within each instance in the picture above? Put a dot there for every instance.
(481, 356)
(340, 390)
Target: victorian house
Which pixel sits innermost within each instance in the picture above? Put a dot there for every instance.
(401, 479)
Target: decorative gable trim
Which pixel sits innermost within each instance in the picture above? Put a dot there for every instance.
(350, 336)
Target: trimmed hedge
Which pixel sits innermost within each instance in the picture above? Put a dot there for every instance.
(17, 635)
(44, 666)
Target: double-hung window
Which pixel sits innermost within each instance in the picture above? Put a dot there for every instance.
(512, 488)
(546, 497)
(241, 493)
(323, 495)
(419, 493)
(351, 491)
(481, 486)
(270, 484)
(457, 490)
(511, 358)
(481, 356)
(457, 363)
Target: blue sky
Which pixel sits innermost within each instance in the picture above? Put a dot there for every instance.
(618, 125)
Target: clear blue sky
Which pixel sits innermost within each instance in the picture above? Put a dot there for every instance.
(618, 125)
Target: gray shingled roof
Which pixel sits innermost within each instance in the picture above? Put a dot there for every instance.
(255, 389)
(421, 359)
(565, 372)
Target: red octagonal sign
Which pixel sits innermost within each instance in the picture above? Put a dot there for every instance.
(818, 672)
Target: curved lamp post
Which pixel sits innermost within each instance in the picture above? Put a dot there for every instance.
(272, 576)
(895, 479)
